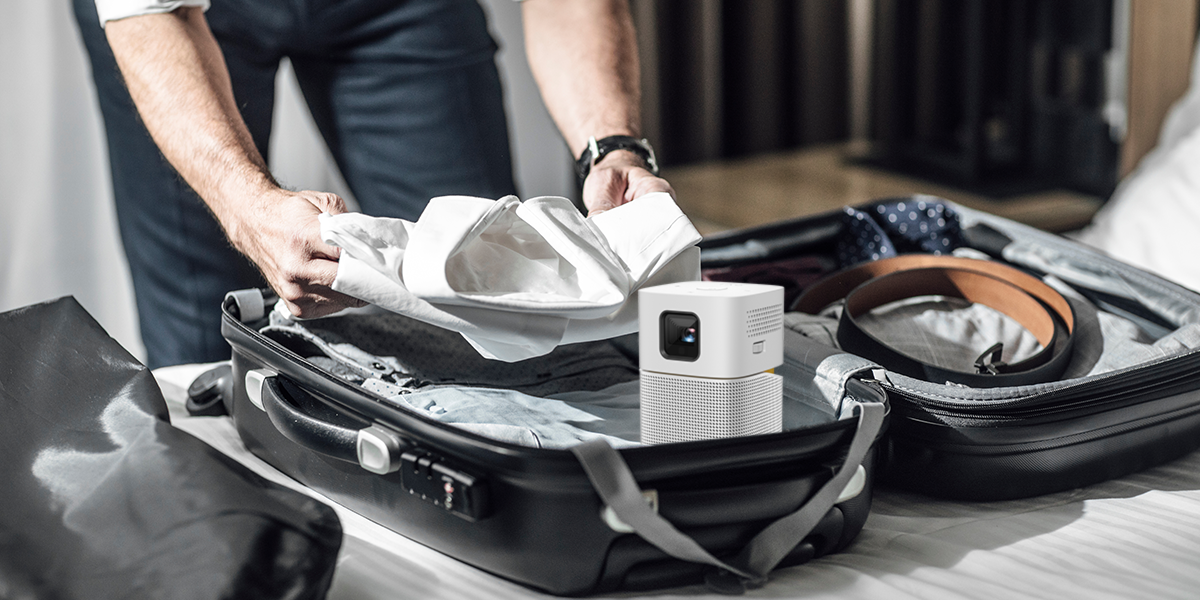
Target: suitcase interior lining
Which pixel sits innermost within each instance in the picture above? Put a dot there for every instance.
(596, 378)
(1125, 308)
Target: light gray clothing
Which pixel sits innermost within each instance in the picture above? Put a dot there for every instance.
(593, 395)
(951, 333)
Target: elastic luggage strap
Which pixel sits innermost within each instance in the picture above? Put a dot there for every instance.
(614, 482)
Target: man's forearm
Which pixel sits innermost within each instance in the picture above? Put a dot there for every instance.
(584, 57)
(177, 77)
(583, 54)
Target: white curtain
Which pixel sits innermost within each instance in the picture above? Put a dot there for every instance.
(58, 229)
(58, 232)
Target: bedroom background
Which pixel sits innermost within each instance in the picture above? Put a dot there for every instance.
(760, 110)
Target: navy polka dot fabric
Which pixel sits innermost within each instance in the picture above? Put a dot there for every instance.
(898, 227)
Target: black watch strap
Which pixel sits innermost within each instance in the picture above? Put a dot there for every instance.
(598, 149)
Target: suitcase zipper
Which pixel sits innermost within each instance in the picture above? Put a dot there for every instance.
(1091, 393)
(1098, 433)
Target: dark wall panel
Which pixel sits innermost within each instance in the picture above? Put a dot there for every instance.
(738, 78)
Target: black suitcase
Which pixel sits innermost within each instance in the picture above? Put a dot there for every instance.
(1016, 441)
(722, 511)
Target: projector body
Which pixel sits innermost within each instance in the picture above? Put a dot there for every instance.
(705, 352)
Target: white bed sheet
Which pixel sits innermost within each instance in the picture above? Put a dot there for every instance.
(1135, 537)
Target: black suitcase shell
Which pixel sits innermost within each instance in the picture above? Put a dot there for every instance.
(1015, 442)
(526, 514)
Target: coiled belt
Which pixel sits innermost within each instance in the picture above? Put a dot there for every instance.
(1026, 299)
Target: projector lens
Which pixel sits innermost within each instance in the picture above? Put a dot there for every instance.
(679, 336)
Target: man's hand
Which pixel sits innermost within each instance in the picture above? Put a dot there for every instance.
(281, 234)
(619, 178)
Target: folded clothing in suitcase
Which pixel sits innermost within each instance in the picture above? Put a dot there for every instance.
(389, 416)
(983, 408)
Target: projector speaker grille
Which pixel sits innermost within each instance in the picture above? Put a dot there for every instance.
(761, 321)
(676, 408)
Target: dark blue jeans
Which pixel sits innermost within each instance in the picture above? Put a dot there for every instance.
(406, 95)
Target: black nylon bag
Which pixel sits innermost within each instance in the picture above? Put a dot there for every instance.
(102, 498)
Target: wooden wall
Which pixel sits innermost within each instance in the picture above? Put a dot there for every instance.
(1162, 34)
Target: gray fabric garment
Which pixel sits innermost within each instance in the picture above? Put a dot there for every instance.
(1129, 340)
(559, 421)
(593, 393)
(357, 347)
(819, 328)
(565, 419)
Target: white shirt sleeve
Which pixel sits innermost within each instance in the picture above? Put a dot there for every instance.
(111, 10)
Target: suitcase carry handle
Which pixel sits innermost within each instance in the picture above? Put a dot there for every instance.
(617, 488)
(373, 448)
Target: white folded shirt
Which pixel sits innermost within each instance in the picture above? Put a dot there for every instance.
(516, 279)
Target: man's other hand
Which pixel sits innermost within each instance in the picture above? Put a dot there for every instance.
(619, 178)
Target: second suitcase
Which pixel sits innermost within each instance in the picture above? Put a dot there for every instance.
(1127, 398)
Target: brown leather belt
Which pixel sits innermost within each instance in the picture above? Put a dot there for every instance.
(1026, 299)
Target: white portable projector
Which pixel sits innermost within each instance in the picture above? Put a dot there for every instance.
(706, 352)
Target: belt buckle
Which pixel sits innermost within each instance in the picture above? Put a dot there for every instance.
(989, 362)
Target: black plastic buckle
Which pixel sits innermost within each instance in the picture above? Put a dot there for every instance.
(989, 362)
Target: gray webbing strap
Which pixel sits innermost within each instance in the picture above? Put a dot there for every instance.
(614, 482)
(777, 539)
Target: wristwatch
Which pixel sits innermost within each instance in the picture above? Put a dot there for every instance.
(598, 149)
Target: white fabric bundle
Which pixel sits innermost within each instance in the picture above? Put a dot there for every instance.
(516, 279)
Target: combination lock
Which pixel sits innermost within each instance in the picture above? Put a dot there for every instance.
(427, 477)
